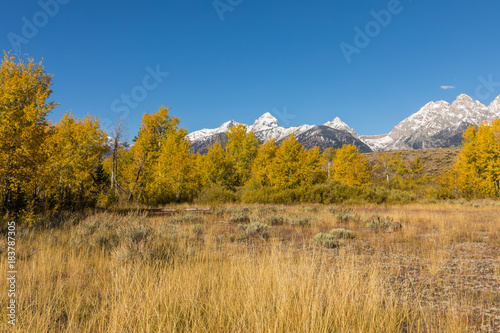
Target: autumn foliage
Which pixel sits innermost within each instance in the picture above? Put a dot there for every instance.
(50, 167)
(476, 172)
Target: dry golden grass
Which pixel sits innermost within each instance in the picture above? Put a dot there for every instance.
(193, 272)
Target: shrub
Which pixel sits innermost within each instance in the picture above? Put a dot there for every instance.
(198, 231)
(377, 224)
(300, 221)
(219, 210)
(105, 239)
(153, 253)
(347, 216)
(342, 233)
(276, 219)
(136, 234)
(128, 253)
(255, 229)
(333, 209)
(239, 218)
(325, 240)
(216, 194)
(310, 209)
(168, 232)
(400, 196)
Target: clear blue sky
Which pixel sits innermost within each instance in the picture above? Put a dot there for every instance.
(263, 55)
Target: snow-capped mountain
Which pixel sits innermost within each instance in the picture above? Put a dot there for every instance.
(110, 142)
(264, 122)
(495, 106)
(436, 125)
(340, 125)
(332, 134)
(204, 133)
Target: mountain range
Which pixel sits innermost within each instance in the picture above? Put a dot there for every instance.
(435, 125)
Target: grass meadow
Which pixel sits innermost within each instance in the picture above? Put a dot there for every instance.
(262, 268)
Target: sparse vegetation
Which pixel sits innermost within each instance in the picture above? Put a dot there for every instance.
(300, 221)
(378, 224)
(254, 230)
(275, 219)
(188, 218)
(342, 233)
(326, 240)
(440, 274)
(346, 216)
(239, 218)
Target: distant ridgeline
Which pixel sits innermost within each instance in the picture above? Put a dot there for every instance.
(436, 125)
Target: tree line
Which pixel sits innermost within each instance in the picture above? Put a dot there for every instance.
(50, 167)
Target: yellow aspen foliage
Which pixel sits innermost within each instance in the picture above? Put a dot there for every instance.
(477, 167)
(262, 163)
(386, 163)
(416, 167)
(76, 149)
(328, 156)
(218, 167)
(154, 128)
(174, 176)
(24, 90)
(397, 171)
(350, 167)
(496, 130)
(313, 166)
(288, 167)
(242, 146)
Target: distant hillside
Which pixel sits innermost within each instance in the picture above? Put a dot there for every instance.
(434, 160)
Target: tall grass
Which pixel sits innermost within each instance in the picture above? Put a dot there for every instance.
(161, 277)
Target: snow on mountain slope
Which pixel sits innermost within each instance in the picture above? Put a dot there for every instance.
(377, 142)
(495, 106)
(266, 128)
(340, 125)
(205, 133)
(110, 142)
(436, 125)
(263, 123)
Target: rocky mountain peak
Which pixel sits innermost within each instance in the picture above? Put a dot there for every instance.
(227, 125)
(464, 98)
(266, 121)
(338, 124)
(495, 106)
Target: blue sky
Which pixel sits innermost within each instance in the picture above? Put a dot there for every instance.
(237, 59)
